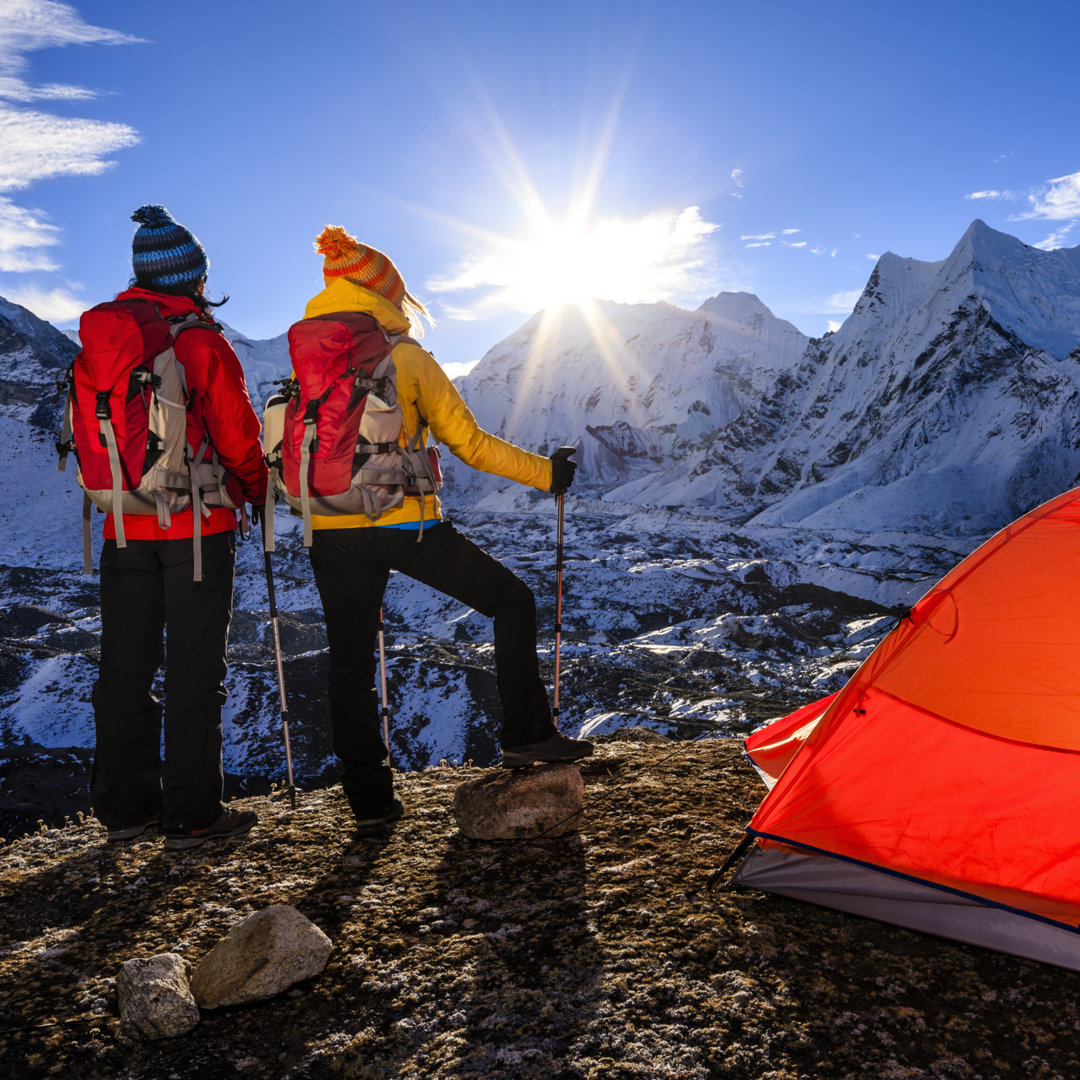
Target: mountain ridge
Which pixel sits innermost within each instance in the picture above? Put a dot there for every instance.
(734, 541)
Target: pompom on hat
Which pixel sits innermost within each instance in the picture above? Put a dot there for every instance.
(164, 255)
(344, 256)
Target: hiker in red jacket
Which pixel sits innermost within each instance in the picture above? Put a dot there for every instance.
(148, 584)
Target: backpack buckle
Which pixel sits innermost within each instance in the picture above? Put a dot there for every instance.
(145, 377)
(62, 384)
(103, 412)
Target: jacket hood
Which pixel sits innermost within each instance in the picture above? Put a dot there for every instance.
(168, 304)
(344, 295)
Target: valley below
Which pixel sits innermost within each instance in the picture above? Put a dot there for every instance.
(672, 621)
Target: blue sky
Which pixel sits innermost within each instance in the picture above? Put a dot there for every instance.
(508, 155)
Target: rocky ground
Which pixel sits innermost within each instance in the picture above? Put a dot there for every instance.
(600, 955)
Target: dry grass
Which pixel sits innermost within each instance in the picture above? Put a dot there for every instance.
(596, 956)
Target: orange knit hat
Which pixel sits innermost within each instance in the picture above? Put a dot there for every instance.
(344, 257)
(366, 266)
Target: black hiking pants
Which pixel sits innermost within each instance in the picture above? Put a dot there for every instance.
(352, 567)
(147, 591)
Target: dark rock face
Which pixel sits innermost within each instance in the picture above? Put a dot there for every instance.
(33, 355)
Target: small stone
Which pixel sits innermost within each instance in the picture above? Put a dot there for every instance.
(260, 957)
(154, 997)
(521, 804)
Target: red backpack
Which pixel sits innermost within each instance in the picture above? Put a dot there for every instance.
(333, 434)
(126, 421)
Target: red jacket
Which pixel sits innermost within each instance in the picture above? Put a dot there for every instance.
(220, 408)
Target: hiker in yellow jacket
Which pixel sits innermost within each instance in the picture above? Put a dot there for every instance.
(352, 556)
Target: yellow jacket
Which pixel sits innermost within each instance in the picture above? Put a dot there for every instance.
(429, 399)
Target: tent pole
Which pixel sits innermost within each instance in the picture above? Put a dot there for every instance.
(733, 859)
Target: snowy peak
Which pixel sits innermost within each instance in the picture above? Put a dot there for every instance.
(1032, 294)
(947, 399)
(21, 328)
(631, 385)
(744, 326)
(32, 355)
(741, 309)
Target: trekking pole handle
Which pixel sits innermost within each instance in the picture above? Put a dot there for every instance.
(560, 466)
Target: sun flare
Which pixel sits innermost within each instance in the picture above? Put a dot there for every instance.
(574, 263)
(551, 263)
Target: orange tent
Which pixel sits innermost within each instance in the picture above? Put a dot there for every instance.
(940, 789)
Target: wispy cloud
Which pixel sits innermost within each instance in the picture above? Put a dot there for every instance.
(740, 183)
(53, 305)
(38, 145)
(842, 302)
(23, 235)
(777, 236)
(1058, 200)
(1057, 238)
(29, 25)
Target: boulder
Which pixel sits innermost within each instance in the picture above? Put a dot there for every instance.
(520, 804)
(259, 957)
(154, 997)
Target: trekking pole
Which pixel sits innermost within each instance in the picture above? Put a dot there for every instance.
(560, 499)
(384, 712)
(280, 675)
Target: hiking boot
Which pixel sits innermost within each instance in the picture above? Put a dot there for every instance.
(229, 823)
(129, 832)
(377, 824)
(555, 748)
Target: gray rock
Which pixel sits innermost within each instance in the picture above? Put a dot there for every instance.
(259, 957)
(154, 997)
(521, 803)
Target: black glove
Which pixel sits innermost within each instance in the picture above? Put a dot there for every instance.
(562, 470)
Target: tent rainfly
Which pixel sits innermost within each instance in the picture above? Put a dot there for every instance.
(940, 789)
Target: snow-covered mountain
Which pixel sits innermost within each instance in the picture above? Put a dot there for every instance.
(750, 506)
(947, 402)
(637, 387)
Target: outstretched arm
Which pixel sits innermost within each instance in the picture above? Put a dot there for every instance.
(452, 422)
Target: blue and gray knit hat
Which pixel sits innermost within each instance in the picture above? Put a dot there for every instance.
(164, 255)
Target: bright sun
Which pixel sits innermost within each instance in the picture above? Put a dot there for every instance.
(549, 264)
(629, 261)
(550, 260)
(571, 264)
